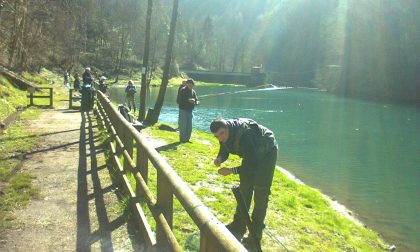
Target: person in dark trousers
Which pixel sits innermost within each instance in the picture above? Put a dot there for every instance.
(87, 76)
(76, 84)
(257, 147)
(187, 100)
(130, 92)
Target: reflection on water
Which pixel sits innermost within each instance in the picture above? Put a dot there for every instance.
(366, 155)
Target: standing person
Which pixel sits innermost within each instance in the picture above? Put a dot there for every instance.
(66, 79)
(257, 147)
(102, 86)
(87, 76)
(187, 101)
(76, 83)
(130, 92)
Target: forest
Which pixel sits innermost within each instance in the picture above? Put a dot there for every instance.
(364, 49)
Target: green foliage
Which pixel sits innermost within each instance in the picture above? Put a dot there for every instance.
(11, 98)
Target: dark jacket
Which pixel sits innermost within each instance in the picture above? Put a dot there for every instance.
(87, 78)
(185, 94)
(249, 140)
(130, 90)
(179, 91)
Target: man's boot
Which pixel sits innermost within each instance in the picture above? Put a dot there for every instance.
(249, 242)
(237, 229)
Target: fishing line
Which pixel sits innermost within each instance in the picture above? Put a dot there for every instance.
(244, 91)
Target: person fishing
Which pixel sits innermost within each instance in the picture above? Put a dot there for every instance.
(102, 85)
(257, 147)
(87, 76)
(187, 100)
(130, 92)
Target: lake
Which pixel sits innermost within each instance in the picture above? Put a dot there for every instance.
(366, 155)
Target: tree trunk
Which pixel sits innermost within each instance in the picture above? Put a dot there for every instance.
(143, 90)
(153, 116)
(119, 62)
(14, 41)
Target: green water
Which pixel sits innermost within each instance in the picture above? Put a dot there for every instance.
(365, 155)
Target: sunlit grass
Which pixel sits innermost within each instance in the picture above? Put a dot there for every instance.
(298, 215)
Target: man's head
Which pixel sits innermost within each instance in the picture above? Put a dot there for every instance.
(87, 69)
(130, 83)
(190, 83)
(220, 130)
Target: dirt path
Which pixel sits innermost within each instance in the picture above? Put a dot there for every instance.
(77, 209)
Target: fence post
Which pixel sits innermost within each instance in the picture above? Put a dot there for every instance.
(206, 244)
(70, 98)
(142, 164)
(31, 99)
(165, 200)
(51, 98)
(128, 145)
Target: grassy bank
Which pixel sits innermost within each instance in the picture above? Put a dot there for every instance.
(11, 98)
(16, 186)
(298, 216)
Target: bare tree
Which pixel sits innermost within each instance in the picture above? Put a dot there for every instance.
(153, 115)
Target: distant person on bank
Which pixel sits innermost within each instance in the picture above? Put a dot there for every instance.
(257, 147)
(187, 100)
(102, 85)
(130, 93)
(76, 83)
(66, 79)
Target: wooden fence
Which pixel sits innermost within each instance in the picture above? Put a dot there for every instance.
(32, 95)
(213, 234)
(73, 91)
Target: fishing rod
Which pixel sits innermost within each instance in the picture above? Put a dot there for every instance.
(271, 87)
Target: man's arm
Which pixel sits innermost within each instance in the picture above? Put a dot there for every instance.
(223, 154)
(248, 152)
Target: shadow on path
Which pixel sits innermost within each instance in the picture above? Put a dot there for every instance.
(93, 215)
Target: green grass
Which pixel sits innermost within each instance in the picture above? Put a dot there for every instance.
(11, 98)
(298, 215)
(16, 186)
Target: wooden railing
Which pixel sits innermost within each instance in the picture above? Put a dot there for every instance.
(213, 234)
(32, 95)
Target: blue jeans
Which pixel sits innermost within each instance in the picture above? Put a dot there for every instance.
(185, 125)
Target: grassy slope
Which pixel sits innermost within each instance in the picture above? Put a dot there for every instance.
(11, 98)
(16, 186)
(298, 215)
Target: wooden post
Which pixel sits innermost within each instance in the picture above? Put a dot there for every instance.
(70, 98)
(165, 203)
(128, 144)
(51, 98)
(206, 245)
(142, 163)
(31, 99)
